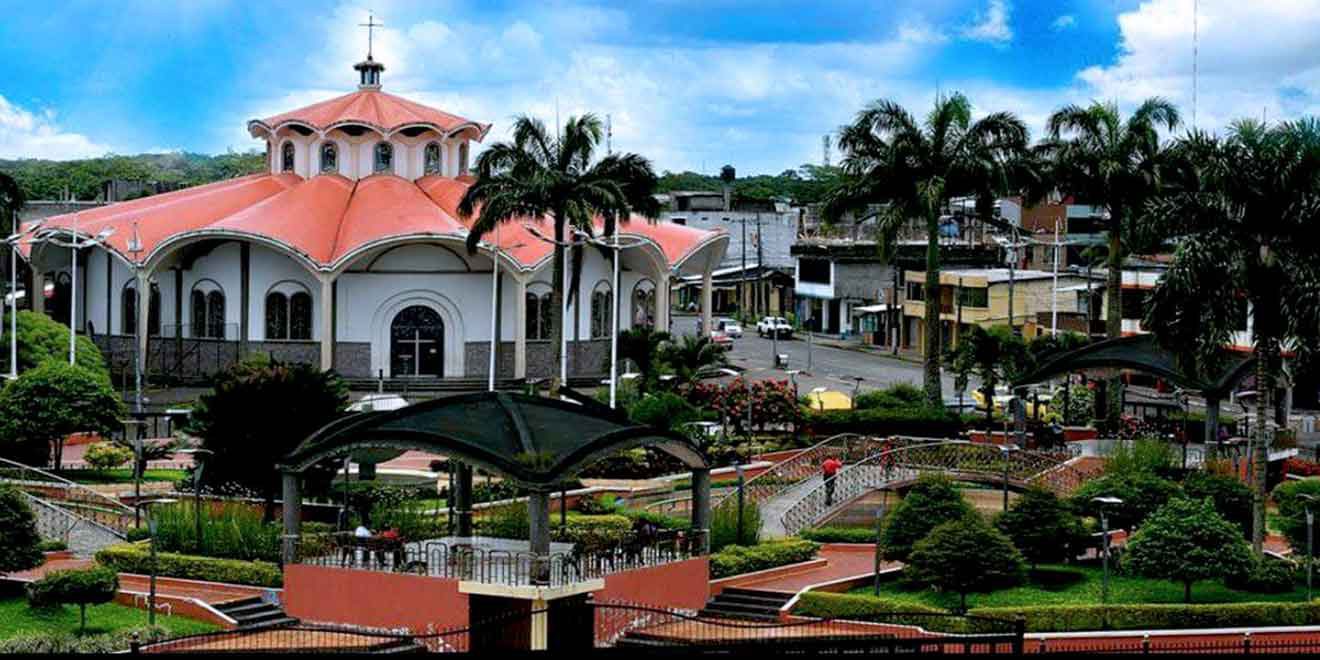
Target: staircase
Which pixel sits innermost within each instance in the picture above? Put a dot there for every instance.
(252, 613)
(750, 604)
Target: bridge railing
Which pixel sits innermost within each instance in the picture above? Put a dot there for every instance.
(73, 497)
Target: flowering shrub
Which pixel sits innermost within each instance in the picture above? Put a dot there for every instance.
(772, 402)
(1301, 467)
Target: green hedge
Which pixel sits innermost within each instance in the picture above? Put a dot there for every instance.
(839, 534)
(918, 421)
(737, 559)
(1062, 618)
(69, 643)
(129, 558)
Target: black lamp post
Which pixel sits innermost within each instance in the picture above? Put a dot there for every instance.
(151, 526)
(1310, 525)
(1104, 531)
(1004, 451)
(741, 496)
(198, 465)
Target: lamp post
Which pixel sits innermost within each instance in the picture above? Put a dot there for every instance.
(1104, 531)
(198, 465)
(739, 470)
(792, 378)
(1310, 525)
(879, 548)
(14, 240)
(494, 303)
(563, 322)
(616, 248)
(151, 526)
(75, 244)
(133, 432)
(1004, 451)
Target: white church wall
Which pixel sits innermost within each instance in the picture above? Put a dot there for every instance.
(221, 266)
(272, 270)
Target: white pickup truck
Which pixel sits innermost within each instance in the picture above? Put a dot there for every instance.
(774, 325)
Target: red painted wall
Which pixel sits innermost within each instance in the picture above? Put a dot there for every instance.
(684, 584)
(369, 598)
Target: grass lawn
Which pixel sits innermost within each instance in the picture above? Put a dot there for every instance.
(17, 618)
(1073, 585)
(120, 476)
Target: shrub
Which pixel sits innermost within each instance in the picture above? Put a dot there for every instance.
(132, 558)
(931, 502)
(724, 524)
(52, 546)
(1265, 576)
(599, 504)
(916, 420)
(1081, 405)
(738, 559)
(899, 395)
(963, 556)
(1292, 510)
(20, 544)
(658, 519)
(664, 410)
(45, 404)
(230, 530)
(65, 643)
(839, 534)
(1068, 618)
(84, 587)
(1142, 493)
(510, 522)
(854, 607)
(107, 455)
(1231, 497)
(1141, 455)
(42, 339)
(1042, 527)
(1187, 541)
(1301, 467)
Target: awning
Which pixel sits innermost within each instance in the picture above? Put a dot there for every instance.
(871, 309)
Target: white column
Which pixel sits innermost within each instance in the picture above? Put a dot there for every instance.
(327, 322)
(662, 302)
(707, 286)
(143, 312)
(519, 328)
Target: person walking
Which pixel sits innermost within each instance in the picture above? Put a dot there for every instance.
(828, 469)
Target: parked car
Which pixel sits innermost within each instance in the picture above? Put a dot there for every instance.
(721, 339)
(729, 327)
(774, 325)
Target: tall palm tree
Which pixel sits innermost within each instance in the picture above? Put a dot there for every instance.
(693, 357)
(558, 176)
(643, 346)
(993, 355)
(1113, 163)
(913, 168)
(1246, 212)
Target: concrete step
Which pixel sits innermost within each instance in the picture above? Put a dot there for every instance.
(720, 612)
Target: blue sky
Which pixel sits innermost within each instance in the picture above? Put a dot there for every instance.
(688, 84)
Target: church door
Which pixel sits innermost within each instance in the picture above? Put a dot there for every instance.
(417, 337)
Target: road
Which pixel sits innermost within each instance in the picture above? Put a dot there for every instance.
(833, 368)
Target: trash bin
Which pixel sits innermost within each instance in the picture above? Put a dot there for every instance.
(781, 361)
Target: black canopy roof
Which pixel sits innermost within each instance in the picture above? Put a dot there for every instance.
(537, 442)
(1143, 353)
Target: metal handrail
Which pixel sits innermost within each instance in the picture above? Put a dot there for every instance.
(116, 514)
(791, 472)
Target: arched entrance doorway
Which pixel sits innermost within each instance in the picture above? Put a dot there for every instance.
(417, 336)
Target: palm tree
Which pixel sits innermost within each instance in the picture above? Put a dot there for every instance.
(558, 176)
(695, 357)
(995, 355)
(642, 345)
(1115, 164)
(913, 168)
(1246, 211)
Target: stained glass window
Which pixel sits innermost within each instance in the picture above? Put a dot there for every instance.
(287, 158)
(432, 159)
(329, 158)
(384, 157)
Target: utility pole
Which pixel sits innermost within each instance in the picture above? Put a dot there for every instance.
(896, 314)
(1054, 299)
(759, 267)
(1012, 258)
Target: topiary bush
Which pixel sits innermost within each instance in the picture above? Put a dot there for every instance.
(91, 586)
(20, 544)
(1231, 497)
(1142, 493)
(107, 455)
(964, 556)
(1071, 618)
(42, 339)
(1187, 541)
(1266, 575)
(45, 404)
(934, 500)
(737, 559)
(1042, 527)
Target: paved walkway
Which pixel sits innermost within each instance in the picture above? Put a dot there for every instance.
(842, 560)
(772, 510)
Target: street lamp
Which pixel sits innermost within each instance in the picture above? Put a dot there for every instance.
(1310, 525)
(792, 378)
(1104, 531)
(151, 526)
(75, 244)
(198, 464)
(494, 301)
(879, 549)
(739, 470)
(12, 298)
(1004, 451)
(617, 248)
(133, 433)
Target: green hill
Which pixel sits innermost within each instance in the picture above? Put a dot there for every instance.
(48, 179)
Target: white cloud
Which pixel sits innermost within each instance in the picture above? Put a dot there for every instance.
(991, 26)
(1064, 22)
(1254, 58)
(27, 134)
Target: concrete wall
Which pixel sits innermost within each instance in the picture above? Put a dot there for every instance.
(778, 233)
(416, 603)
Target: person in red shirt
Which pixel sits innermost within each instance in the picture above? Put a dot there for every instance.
(828, 469)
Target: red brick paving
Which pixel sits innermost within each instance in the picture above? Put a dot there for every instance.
(843, 560)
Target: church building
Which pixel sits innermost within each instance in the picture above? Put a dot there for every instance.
(348, 253)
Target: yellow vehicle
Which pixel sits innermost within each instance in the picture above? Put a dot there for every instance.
(1039, 410)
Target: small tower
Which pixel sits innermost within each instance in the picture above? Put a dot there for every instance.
(369, 69)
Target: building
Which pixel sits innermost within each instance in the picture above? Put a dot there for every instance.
(349, 253)
(769, 290)
(980, 296)
(761, 232)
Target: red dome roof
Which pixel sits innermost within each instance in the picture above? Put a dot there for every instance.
(382, 111)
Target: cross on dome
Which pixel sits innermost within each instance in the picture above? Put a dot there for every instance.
(369, 70)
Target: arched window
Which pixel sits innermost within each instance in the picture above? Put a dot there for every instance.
(288, 316)
(286, 157)
(277, 316)
(384, 157)
(431, 159)
(643, 304)
(602, 319)
(539, 310)
(300, 316)
(208, 311)
(128, 310)
(463, 158)
(329, 158)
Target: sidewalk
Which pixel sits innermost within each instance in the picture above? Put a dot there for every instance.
(904, 354)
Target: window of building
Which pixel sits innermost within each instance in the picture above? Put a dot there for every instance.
(815, 271)
(300, 316)
(277, 316)
(643, 304)
(208, 311)
(128, 309)
(384, 157)
(1134, 304)
(329, 158)
(289, 316)
(974, 297)
(286, 163)
(431, 159)
(215, 315)
(539, 310)
(602, 320)
(916, 291)
(463, 158)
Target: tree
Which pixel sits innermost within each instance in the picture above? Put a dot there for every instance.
(541, 175)
(933, 500)
(1187, 541)
(1292, 512)
(1119, 165)
(1231, 497)
(693, 358)
(1142, 494)
(20, 544)
(43, 339)
(993, 356)
(913, 169)
(107, 455)
(45, 404)
(1042, 527)
(1246, 210)
(642, 345)
(257, 414)
(81, 587)
(963, 556)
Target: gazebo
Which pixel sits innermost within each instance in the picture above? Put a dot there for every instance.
(537, 443)
(1143, 353)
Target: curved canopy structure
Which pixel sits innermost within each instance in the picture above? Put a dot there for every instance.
(536, 442)
(1143, 353)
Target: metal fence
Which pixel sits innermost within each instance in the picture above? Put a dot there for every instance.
(76, 499)
(1245, 643)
